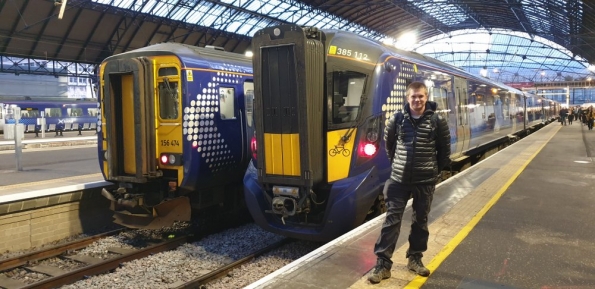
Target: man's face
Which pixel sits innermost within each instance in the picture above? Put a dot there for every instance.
(417, 99)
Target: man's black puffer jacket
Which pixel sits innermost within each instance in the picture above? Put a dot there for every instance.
(421, 151)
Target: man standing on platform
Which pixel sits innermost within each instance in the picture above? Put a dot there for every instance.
(418, 145)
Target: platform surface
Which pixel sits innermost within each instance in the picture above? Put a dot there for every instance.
(51, 165)
(520, 219)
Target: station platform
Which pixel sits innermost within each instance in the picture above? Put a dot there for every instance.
(25, 189)
(68, 138)
(521, 218)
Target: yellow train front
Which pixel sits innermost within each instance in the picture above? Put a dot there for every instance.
(173, 131)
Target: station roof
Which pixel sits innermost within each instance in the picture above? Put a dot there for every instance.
(557, 36)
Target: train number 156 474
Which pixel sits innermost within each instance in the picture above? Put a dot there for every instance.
(167, 143)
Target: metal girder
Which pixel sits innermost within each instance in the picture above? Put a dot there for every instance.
(20, 65)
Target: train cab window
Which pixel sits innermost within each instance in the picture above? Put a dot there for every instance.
(168, 99)
(348, 88)
(226, 103)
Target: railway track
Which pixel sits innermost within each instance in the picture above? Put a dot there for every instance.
(90, 266)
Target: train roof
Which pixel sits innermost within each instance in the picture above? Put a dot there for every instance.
(377, 49)
(184, 51)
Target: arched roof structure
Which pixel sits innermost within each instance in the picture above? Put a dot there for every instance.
(91, 30)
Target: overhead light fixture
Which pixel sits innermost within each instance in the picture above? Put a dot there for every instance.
(62, 7)
(484, 71)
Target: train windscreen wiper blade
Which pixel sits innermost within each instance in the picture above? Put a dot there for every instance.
(345, 138)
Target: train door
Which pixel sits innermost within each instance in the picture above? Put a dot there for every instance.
(168, 100)
(128, 126)
(249, 116)
(2, 122)
(231, 120)
(463, 128)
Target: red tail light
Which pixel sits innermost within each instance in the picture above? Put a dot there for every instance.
(367, 149)
(171, 159)
(253, 147)
(164, 159)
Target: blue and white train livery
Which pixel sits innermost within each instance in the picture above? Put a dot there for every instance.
(174, 131)
(322, 99)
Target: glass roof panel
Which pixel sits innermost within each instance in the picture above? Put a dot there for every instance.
(508, 56)
(508, 52)
(447, 13)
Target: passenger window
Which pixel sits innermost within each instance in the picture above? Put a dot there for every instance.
(226, 103)
(348, 88)
(438, 95)
(75, 111)
(53, 112)
(92, 111)
(168, 99)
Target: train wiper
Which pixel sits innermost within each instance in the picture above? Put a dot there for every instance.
(345, 138)
(172, 92)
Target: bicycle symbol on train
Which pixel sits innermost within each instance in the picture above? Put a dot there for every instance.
(339, 149)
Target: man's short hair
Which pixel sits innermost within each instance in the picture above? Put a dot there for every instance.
(416, 85)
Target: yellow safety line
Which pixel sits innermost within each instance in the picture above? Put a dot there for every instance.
(49, 181)
(418, 281)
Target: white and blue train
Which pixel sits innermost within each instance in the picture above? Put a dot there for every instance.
(321, 101)
(59, 114)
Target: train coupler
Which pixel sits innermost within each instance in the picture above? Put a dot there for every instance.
(130, 212)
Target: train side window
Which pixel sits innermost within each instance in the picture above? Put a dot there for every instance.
(439, 96)
(53, 112)
(92, 111)
(249, 95)
(168, 99)
(75, 111)
(30, 113)
(226, 103)
(348, 88)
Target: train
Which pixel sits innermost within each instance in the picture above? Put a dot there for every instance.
(61, 114)
(321, 101)
(174, 133)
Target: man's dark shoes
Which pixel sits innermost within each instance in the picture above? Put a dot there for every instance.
(378, 274)
(416, 266)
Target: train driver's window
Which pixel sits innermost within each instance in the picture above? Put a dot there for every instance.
(168, 99)
(348, 88)
(226, 103)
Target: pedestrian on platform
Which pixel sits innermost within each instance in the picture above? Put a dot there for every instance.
(563, 115)
(571, 116)
(590, 115)
(418, 146)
